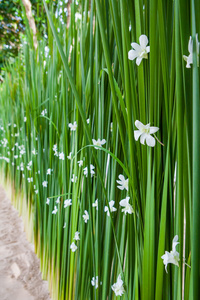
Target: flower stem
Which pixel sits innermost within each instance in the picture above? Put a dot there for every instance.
(158, 140)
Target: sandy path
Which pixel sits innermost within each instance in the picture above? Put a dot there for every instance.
(20, 277)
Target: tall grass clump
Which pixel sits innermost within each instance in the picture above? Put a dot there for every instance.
(101, 136)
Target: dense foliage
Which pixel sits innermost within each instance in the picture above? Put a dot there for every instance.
(13, 24)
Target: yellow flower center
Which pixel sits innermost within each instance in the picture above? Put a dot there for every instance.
(146, 130)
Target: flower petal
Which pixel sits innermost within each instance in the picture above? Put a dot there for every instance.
(190, 59)
(132, 54)
(111, 203)
(148, 49)
(124, 202)
(153, 129)
(150, 141)
(175, 243)
(137, 134)
(136, 47)
(143, 39)
(185, 58)
(138, 60)
(139, 125)
(175, 239)
(188, 65)
(120, 187)
(143, 137)
(119, 280)
(121, 177)
(171, 259)
(190, 45)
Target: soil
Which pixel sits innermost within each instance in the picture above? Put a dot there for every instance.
(20, 276)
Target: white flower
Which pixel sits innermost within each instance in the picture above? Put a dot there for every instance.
(49, 171)
(140, 51)
(61, 155)
(45, 183)
(30, 179)
(25, 119)
(92, 172)
(22, 152)
(78, 16)
(28, 168)
(6, 159)
(173, 256)
(95, 204)
(189, 58)
(67, 202)
(36, 191)
(4, 142)
(29, 164)
(44, 112)
(88, 121)
(76, 237)
(55, 148)
(58, 200)
(64, 225)
(112, 208)
(34, 152)
(54, 212)
(69, 156)
(48, 201)
(123, 183)
(73, 126)
(74, 178)
(127, 207)
(117, 287)
(73, 247)
(80, 163)
(94, 282)
(98, 143)
(85, 171)
(144, 133)
(22, 147)
(85, 216)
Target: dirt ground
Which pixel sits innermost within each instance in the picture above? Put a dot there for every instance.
(20, 276)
